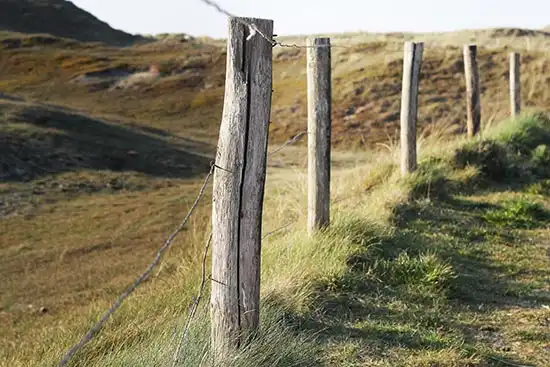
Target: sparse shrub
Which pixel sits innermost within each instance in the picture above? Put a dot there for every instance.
(539, 188)
(540, 160)
(379, 175)
(430, 179)
(491, 157)
(518, 152)
(532, 131)
(423, 271)
(348, 282)
(355, 231)
(521, 214)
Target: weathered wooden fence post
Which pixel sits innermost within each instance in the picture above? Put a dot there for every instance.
(238, 189)
(472, 90)
(412, 62)
(319, 100)
(515, 84)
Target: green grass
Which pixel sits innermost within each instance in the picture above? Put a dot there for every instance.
(454, 276)
(517, 213)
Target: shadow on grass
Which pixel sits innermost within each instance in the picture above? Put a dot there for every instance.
(405, 292)
(35, 141)
(432, 286)
(467, 234)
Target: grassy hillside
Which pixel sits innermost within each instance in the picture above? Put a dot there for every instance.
(449, 267)
(100, 160)
(59, 18)
(187, 98)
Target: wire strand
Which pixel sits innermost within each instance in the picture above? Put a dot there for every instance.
(116, 305)
(254, 29)
(289, 142)
(195, 303)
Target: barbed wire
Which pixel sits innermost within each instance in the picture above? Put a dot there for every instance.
(195, 302)
(116, 305)
(254, 30)
(289, 142)
(204, 277)
(202, 286)
(282, 228)
(141, 278)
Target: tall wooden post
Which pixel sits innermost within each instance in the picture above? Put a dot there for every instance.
(319, 100)
(515, 84)
(238, 188)
(472, 90)
(412, 62)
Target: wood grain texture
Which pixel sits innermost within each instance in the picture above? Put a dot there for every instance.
(473, 103)
(515, 84)
(412, 63)
(238, 188)
(319, 100)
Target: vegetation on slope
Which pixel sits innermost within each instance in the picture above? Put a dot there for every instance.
(49, 153)
(455, 275)
(187, 99)
(448, 267)
(59, 18)
(95, 176)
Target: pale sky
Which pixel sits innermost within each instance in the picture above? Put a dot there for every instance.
(319, 16)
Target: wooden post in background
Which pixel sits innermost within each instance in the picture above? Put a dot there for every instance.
(412, 62)
(515, 87)
(472, 90)
(238, 188)
(319, 101)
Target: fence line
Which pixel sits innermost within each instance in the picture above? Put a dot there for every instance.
(240, 170)
(227, 329)
(254, 30)
(116, 305)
